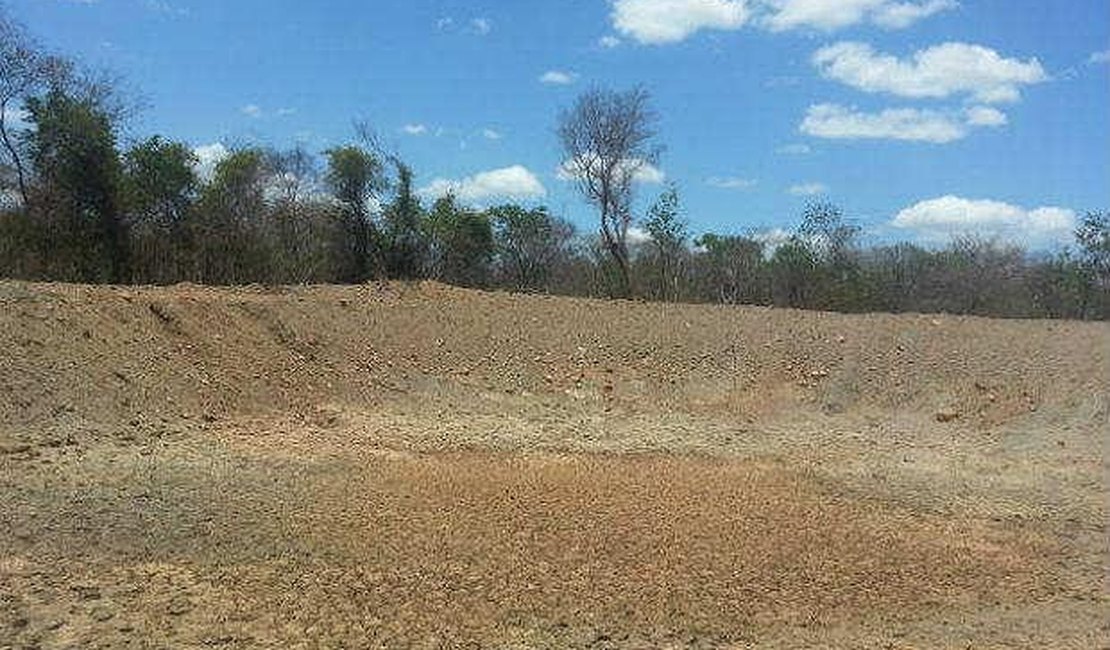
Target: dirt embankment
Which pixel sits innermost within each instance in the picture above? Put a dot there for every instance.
(422, 466)
(106, 356)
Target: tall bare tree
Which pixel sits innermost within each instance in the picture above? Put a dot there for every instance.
(23, 69)
(607, 141)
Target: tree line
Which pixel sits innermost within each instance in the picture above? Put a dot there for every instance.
(76, 205)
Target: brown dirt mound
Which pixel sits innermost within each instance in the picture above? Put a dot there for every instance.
(421, 466)
(106, 355)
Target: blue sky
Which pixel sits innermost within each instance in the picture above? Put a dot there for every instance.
(920, 118)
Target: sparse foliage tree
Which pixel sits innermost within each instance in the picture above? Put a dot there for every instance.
(667, 244)
(731, 269)
(1093, 236)
(405, 246)
(24, 70)
(355, 177)
(607, 140)
(530, 242)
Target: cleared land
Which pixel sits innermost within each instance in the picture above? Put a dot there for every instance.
(422, 466)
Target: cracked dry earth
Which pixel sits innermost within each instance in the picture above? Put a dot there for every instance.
(397, 466)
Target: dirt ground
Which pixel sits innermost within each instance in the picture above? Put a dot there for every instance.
(394, 466)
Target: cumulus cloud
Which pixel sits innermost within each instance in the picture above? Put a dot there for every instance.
(830, 15)
(1099, 57)
(840, 122)
(208, 156)
(490, 134)
(730, 182)
(514, 182)
(642, 171)
(936, 72)
(944, 218)
(649, 174)
(609, 41)
(986, 116)
(414, 129)
(558, 78)
(638, 236)
(252, 110)
(669, 21)
(837, 122)
(808, 189)
(657, 22)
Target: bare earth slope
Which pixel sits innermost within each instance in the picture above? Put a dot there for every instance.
(421, 466)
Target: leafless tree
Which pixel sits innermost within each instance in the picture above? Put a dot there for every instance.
(22, 69)
(607, 141)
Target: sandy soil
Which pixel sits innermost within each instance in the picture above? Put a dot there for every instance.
(422, 466)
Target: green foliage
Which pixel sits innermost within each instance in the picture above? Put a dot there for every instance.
(668, 230)
(1093, 236)
(666, 260)
(160, 181)
(73, 208)
(530, 244)
(794, 270)
(72, 147)
(462, 243)
(730, 269)
(405, 247)
(355, 176)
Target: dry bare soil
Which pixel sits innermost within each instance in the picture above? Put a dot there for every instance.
(420, 466)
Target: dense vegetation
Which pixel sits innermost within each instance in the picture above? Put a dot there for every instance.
(77, 206)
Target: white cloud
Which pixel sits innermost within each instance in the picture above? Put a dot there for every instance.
(490, 134)
(649, 174)
(669, 21)
(17, 118)
(829, 15)
(944, 218)
(1099, 57)
(514, 182)
(642, 171)
(481, 26)
(638, 236)
(730, 182)
(657, 22)
(986, 116)
(771, 239)
(609, 41)
(899, 15)
(285, 112)
(414, 129)
(795, 149)
(558, 78)
(808, 189)
(936, 72)
(839, 122)
(208, 156)
(252, 110)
